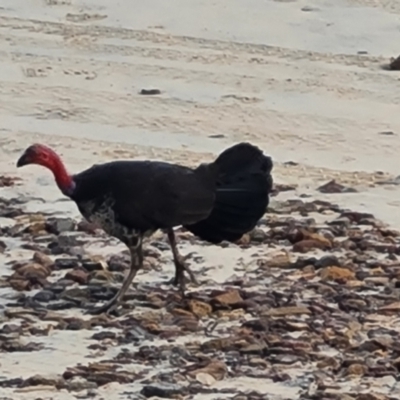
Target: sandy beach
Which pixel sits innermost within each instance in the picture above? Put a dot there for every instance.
(305, 80)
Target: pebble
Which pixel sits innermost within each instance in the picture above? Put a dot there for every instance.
(59, 225)
(165, 391)
(44, 296)
(66, 263)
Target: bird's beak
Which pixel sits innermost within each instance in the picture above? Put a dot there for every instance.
(23, 160)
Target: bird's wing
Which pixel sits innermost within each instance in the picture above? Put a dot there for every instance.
(147, 195)
(169, 196)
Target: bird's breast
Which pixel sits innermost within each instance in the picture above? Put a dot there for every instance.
(100, 213)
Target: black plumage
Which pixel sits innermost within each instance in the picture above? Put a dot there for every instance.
(218, 201)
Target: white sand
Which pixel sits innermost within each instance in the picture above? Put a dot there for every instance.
(285, 75)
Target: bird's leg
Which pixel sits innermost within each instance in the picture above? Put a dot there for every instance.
(180, 265)
(136, 264)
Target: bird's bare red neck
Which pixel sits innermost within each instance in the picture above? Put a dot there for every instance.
(63, 178)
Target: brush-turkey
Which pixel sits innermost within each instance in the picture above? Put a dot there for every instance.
(130, 200)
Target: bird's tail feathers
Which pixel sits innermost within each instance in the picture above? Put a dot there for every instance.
(242, 195)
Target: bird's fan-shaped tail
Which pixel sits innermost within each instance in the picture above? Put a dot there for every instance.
(242, 195)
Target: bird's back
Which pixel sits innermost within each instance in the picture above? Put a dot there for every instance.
(146, 195)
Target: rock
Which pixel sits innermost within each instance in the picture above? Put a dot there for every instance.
(373, 396)
(94, 264)
(217, 370)
(45, 239)
(217, 136)
(59, 225)
(11, 328)
(118, 263)
(283, 311)
(33, 271)
(7, 181)
(344, 396)
(104, 276)
(335, 273)
(151, 263)
(334, 187)
(307, 245)
(44, 296)
(205, 379)
(20, 285)
(43, 259)
(377, 280)
(70, 239)
(100, 373)
(104, 335)
(253, 349)
(199, 308)
(76, 324)
(66, 263)
(77, 294)
(39, 380)
(37, 228)
(87, 227)
(150, 92)
(61, 305)
(79, 384)
(257, 235)
(394, 66)
(280, 261)
(357, 217)
(244, 240)
(392, 307)
(78, 275)
(327, 243)
(17, 346)
(327, 261)
(281, 187)
(186, 324)
(3, 246)
(163, 390)
(340, 222)
(328, 362)
(309, 9)
(230, 298)
(58, 287)
(356, 369)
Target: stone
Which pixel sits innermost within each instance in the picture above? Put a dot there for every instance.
(199, 308)
(94, 264)
(66, 263)
(335, 273)
(69, 239)
(59, 225)
(163, 390)
(307, 245)
(43, 259)
(78, 275)
(283, 311)
(229, 298)
(44, 296)
(33, 270)
(356, 369)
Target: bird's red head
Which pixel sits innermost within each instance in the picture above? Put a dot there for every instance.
(42, 155)
(39, 154)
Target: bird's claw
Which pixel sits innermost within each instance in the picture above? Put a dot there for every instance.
(106, 308)
(179, 279)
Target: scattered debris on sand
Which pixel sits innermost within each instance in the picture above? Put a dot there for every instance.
(311, 310)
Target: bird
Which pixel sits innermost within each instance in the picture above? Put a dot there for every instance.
(132, 199)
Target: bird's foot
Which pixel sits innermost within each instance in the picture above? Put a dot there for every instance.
(106, 308)
(179, 279)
